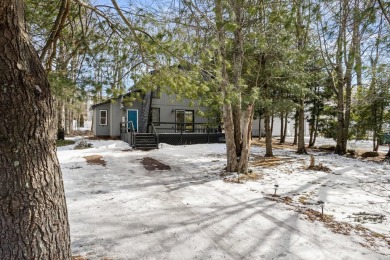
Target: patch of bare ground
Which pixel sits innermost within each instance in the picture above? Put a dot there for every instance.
(95, 160)
(355, 154)
(78, 257)
(372, 239)
(260, 161)
(151, 164)
(241, 178)
(275, 143)
(319, 168)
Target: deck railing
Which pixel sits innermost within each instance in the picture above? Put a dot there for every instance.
(155, 134)
(170, 128)
(127, 132)
(188, 133)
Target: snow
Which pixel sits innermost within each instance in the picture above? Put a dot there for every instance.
(122, 211)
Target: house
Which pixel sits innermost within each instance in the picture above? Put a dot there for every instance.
(258, 127)
(154, 117)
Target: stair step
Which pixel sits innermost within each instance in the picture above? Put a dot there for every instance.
(145, 141)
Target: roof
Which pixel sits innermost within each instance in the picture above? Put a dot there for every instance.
(109, 100)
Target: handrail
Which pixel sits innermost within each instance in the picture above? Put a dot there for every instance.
(132, 133)
(128, 127)
(155, 134)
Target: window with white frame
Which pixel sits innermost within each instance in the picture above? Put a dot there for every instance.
(102, 117)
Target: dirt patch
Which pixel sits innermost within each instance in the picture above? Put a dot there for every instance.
(78, 257)
(95, 160)
(275, 144)
(151, 164)
(241, 178)
(319, 168)
(372, 239)
(270, 161)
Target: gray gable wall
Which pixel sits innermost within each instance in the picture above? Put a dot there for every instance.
(168, 104)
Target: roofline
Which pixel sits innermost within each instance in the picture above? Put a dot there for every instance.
(109, 100)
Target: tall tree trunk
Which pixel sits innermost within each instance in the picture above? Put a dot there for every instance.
(301, 35)
(340, 79)
(345, 80)
(296, 127)
(281, 128)
(312, 128)
(238, 59)
(272, 124)
(260, 127)
(33, 214)
(237, 129)
(316, 127)
(246, 144)
(268, 135)
(227, 108)
(301, 134)
(285, 129)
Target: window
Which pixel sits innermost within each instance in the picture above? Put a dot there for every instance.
(155, 116)
(156, 93)
(103, 117)
(185, 120)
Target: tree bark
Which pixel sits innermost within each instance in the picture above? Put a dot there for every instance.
(33, 213)
(227, 108)
(268, 135)
(316, 127)
(281, 141)
(301, 132)
(238, 59)
(296, 127)
(260, 127)
(285, 129)
(246, 144)
(312, 125)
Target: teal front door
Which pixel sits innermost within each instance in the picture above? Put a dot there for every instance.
(132, 115)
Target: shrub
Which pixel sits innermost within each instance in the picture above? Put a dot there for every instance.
(83, 144)
(370, 154)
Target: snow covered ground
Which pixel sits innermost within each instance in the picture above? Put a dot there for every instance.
(120, 210)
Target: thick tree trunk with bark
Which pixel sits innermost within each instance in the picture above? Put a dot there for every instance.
(246, 144)
(237, 129)
(316, 128)
(268, 135)
(33, 214)
(232, 163)
(281, 141)
(312, 126)
(301, 133)
(296, 127)
(238, 59)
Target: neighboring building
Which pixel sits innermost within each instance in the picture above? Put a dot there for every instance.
(259, 129)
